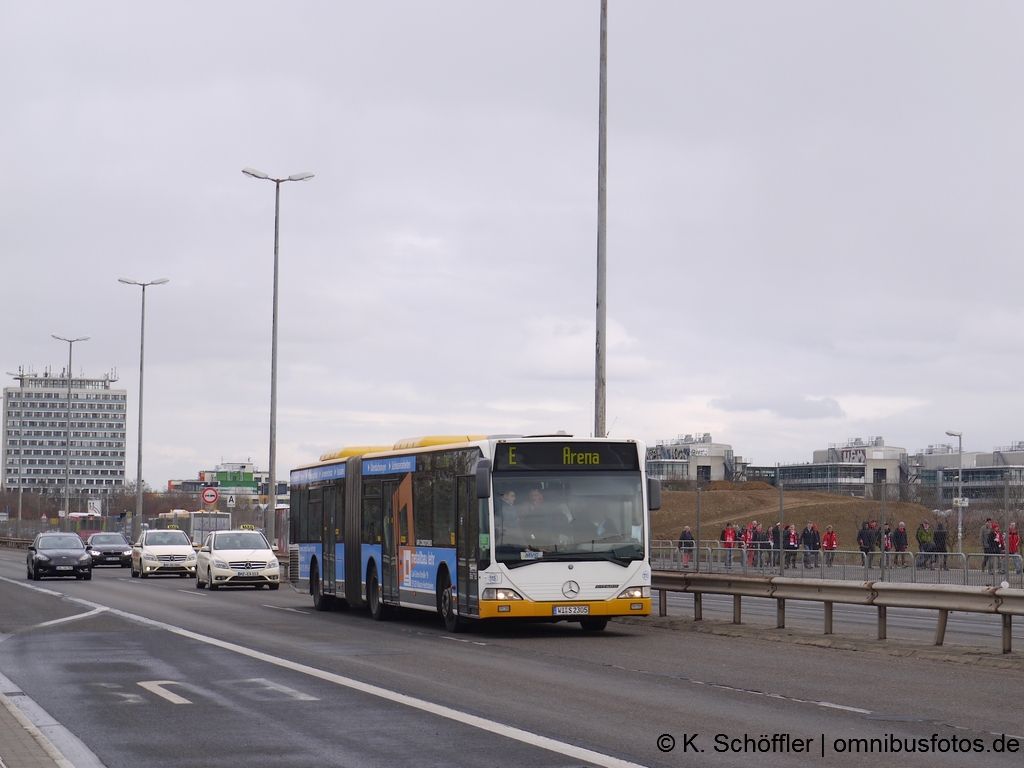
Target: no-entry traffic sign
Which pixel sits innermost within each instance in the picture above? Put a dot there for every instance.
(210, 495)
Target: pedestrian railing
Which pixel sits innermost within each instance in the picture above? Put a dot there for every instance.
(898, 567)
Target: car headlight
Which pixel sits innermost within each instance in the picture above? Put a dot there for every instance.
(95, 553)
(496, 593)
(41, 556)
(86, 558)
(191, 556)
(219, 563)
(634, 593)
(127, 553)
(272, 563)
(147, 556)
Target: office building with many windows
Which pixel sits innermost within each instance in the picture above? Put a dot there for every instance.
(36, 440)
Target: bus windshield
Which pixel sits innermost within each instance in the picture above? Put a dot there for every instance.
(570, 516)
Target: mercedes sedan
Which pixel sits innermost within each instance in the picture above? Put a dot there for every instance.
(59, 554)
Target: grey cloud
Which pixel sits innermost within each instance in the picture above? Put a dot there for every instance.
(787, 407)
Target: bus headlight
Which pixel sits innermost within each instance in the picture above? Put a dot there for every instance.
(492, 593)
(635, 593)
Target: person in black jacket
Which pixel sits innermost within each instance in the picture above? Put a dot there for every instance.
(687, 545)
(810, 540)
(900, 544)
(941, 543)
(865, 540)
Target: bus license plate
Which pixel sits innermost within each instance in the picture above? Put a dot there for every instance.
(65, 567)
(248, 573)
(570, 610)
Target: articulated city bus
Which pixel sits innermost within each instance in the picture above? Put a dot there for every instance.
(478, 528)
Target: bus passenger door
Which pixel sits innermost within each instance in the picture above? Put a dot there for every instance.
(327, 578)
(467, 549)
(389, 552)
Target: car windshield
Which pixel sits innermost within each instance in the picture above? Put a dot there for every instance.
(60, 542)
(167, 539)
(555, 516)
(109, 539)
(244, 540)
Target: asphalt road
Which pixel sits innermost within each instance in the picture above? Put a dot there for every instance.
(156, 673)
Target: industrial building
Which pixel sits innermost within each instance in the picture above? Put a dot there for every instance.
(694, 457)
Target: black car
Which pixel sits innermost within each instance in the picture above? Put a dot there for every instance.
(59, 554)
(109, 549)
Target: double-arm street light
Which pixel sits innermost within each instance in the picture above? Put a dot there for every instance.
(67, 442)
(271, 518)
(959, 492)
(137, 517)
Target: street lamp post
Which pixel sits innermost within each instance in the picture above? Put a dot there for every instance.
(137, 517)
(271, 519)
(960, 491)
(67, 441)
(602, 210)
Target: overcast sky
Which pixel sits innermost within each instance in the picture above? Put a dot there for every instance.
(814, 219)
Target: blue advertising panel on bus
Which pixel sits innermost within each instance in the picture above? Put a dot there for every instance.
(419, 566)
(306, 554)
(394, 465)
(316, 474)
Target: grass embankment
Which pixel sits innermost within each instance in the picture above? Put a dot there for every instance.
(757, 501)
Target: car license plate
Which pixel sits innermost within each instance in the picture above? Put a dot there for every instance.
(248, 573)
(570, 610)
(65, 567)
(113, 557)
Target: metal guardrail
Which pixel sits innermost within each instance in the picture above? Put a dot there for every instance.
(12, 543)
(1003, 601)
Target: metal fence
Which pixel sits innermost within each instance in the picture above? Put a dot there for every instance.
(842, 565)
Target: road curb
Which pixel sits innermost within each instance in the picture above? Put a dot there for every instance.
(24, 745)
(957, 654)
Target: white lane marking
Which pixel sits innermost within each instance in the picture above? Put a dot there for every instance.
(474, 721)
(270, 685)
(830, 705)
(192, 592)
(281, 608)
(157, 687)
(76, 617)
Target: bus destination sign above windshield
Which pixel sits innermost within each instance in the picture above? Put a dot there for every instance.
(547, 457)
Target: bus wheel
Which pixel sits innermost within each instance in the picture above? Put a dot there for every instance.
(378, 610)
(451, 619)
(321, 602)
(593, 625)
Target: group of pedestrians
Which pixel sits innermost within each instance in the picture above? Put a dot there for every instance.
(766, 547)
(763, 547)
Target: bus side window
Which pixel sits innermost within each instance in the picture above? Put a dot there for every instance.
(444, 510)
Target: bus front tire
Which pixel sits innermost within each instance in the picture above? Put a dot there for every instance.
(452, 623)
(378, 611)
(593, 625)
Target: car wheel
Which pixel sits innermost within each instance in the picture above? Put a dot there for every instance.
(143, 574)
(88, 576)
(593, 625)
(199, 583)
(35, 572)
(274, 587)
(378, 610)
(28, 572)
(135, 574)
(451, 619)
(321, 602)
(209, 581)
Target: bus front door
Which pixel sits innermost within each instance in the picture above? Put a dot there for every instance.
(389, 552)
(468, 546)
(329, 571)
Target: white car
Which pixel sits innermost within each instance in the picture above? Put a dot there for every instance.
(163, 553)
(237, 558)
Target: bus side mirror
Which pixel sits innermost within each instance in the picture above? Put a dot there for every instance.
(483, 478)
(653, 493)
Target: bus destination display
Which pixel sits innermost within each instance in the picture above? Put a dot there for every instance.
(547, 457)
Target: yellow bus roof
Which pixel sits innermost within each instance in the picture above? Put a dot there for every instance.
(407, 443)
